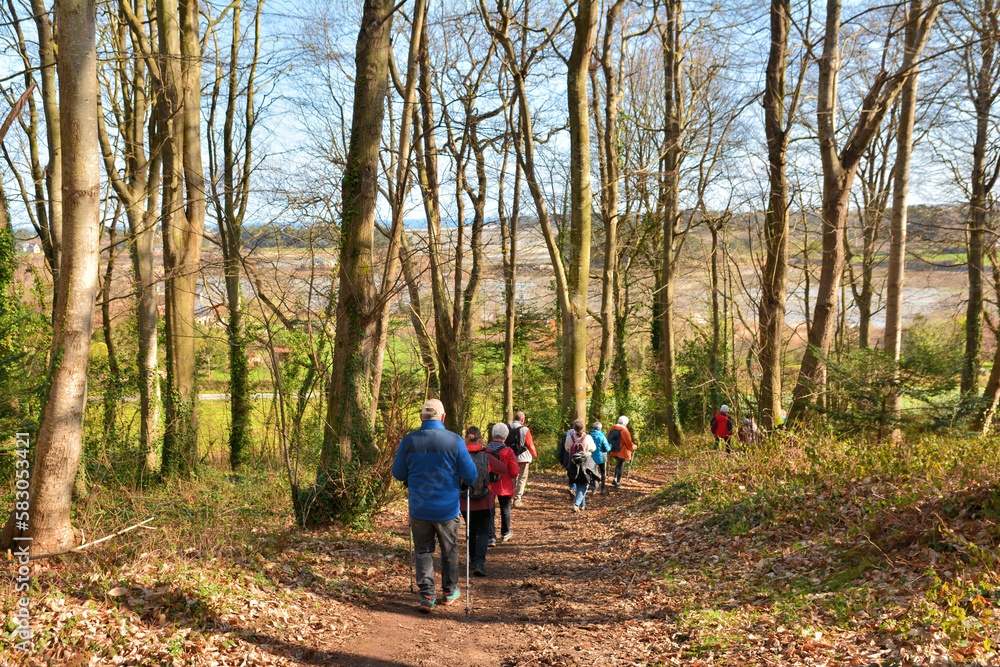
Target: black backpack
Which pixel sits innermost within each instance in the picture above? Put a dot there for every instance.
(516, 440)
(576, 451)
(615, 439)
(482, 486)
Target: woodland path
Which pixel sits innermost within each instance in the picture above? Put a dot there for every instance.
(548, 599)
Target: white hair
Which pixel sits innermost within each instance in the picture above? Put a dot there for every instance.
(500, 431)
(623, 421)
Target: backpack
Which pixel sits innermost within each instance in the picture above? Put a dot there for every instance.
(722, 427)
(576, 453)
(481, 488)
(516, 440)
(615, 439)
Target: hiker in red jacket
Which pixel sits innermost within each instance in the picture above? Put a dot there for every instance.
(504, 487)
(722, 427)
(479, 512)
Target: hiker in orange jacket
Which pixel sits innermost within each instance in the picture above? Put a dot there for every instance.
(622, 447)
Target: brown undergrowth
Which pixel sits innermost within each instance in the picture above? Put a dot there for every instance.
(821, 553)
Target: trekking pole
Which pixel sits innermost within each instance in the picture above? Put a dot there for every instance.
(628, 475)
(409, 534)
(468, 520)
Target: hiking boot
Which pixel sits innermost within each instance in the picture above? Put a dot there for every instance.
(506, 536)
(451, 597)
(492, 542)
(479, 571)
(577, 508)
(426, 604)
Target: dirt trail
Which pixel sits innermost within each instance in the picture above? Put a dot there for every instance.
(547, 600)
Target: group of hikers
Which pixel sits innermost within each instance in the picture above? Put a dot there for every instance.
(447, 477)
(723, 427)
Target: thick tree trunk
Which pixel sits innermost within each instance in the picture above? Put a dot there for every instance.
(347, 430)
(179, 288)
(575, 318)
(57, 452)
(774, 281)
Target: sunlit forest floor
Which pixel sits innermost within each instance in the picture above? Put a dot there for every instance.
(821, 553)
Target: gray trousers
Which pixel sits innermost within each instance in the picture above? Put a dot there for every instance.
(424, 533)
(522, 481)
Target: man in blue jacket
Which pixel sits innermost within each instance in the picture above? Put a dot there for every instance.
(430, 462)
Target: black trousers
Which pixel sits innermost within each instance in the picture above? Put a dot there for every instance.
(479, 535)
(619, 468)
(504, 503)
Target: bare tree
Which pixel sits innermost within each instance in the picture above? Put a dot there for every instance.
(982, 73)
(57, 452)
(137, 186)
(349, 401)
(230, 210)
(900, 191)
(774, 282)
(839, 170)
(609, 169)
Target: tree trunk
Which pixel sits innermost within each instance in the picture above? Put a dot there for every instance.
(417, 320)
(575, 318)
(446, 336)
(57, 452)
(508, 239)
(981, 183)
(112, 389)
(347, 429)
(178, 288)
(774, 281)
(622, 379)
(53, 135)
(672, 48)
(230, 213)
(609, 160)
(713, 357)
(526, 158)
(897, 232)
(839, 169)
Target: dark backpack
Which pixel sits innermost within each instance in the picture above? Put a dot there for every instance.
(516, 439)
(482, 486)
(576, 453)
(615, 439)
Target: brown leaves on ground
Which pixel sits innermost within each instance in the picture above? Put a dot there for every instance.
(672, 569)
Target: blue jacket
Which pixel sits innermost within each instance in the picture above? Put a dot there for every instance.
(602, 446)
(430, 460)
